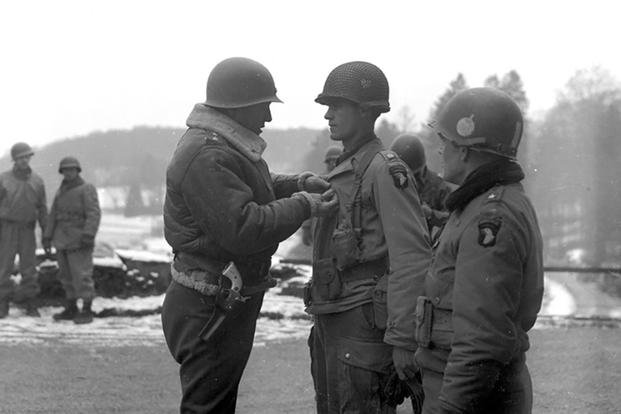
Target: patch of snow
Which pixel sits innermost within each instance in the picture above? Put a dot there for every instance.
(558, 300)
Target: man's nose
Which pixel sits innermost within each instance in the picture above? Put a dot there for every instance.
(268, 115)
(329, 114)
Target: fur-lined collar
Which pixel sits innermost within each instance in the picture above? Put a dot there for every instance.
(242, 139)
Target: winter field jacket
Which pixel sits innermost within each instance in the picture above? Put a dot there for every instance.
(222, 204)
(22, 197)
(75, 212)
(486, 287)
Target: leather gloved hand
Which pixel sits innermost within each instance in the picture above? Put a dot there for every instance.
(87, 240)
(321, 205)
(312, 183)
(405, 363)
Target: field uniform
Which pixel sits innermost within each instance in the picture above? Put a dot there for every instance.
(222, 205)
(367, 273)
(72, 226)
(22, 204)
(485, 285)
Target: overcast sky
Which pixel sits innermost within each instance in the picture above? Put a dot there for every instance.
(71, 67)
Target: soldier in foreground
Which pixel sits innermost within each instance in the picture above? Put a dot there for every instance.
(225, 214)
(485, 286)
(22, 204)
(71, 228)
(369, 260)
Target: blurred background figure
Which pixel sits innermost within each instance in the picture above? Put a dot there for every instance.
(22, 204)
(432, 189)
(72, 225)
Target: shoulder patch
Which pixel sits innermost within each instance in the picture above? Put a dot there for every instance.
(489, 225)
(397, 169)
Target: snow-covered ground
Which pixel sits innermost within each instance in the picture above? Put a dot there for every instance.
(285, 319)
(144, 330)
(284, 316)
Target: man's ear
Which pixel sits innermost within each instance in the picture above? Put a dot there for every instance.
(368, 113)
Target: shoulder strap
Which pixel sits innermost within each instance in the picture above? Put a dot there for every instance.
(359, 170)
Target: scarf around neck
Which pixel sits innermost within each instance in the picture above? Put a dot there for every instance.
(500, 172)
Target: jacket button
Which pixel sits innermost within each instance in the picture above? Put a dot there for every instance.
(436, 300)
(347, 355)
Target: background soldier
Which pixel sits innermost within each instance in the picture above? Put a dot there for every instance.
(432, 189)
(71, 227)
(22, 203)
(369, 260)
(485, 286)
(330, 159)
(222, 205)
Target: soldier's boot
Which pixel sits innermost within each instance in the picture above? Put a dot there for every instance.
(67, 314)
(86, 314)
(31, 309)
(4, 308)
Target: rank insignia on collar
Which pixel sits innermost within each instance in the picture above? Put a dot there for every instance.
(488, 230)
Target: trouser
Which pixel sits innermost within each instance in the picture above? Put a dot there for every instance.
(349, 362)
(75, 271)
(512, 394)
(210, 371)
(18, 239)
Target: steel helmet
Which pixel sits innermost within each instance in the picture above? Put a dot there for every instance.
(410, 149)
(333, 152)
(360, 82)
(20, 149)
(484, 119)
(237, 82)
(69, 162)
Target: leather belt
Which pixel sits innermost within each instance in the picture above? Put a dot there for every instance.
(203, 282)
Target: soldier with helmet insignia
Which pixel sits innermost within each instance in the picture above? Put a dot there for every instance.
(485, 285)
(369, 260)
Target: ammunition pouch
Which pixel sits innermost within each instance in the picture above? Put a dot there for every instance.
(326, 283)
(345, 247)
(434, 326)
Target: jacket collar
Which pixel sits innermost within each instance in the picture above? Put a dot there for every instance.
(242, 139)
(68, 185)
(347, 164)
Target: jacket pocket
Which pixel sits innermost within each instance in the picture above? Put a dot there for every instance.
(345, 247)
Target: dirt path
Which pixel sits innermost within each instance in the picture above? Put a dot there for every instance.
(574, 370)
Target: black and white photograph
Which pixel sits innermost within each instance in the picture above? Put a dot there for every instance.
(331, 207)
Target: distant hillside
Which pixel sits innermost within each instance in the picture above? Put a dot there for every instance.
(139, 156)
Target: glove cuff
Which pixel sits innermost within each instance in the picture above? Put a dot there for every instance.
(302, 179)
(311, 201)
